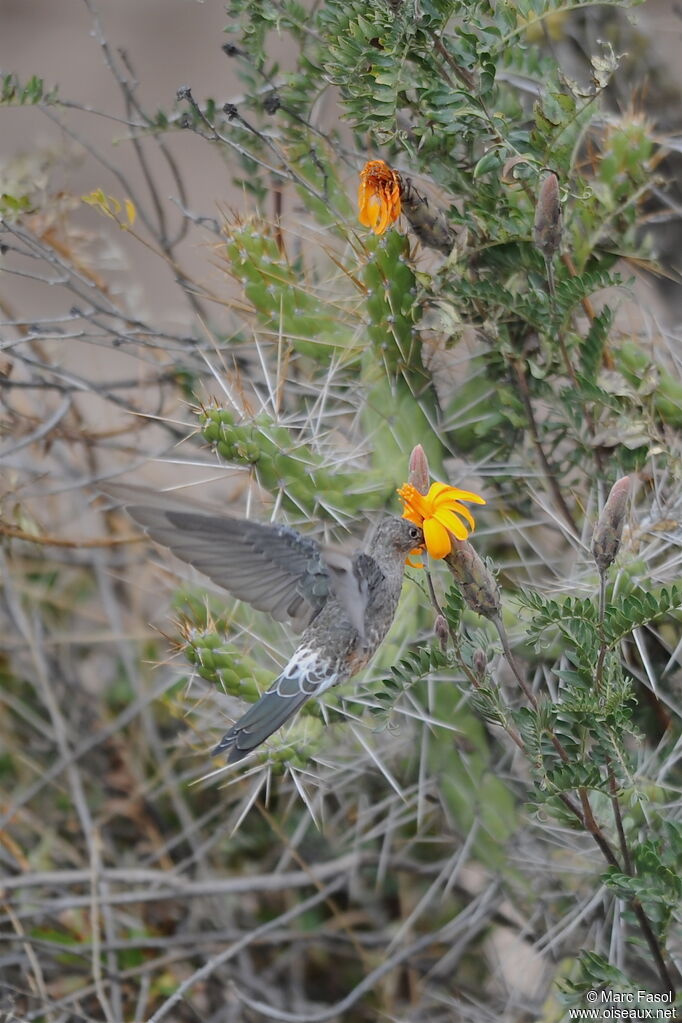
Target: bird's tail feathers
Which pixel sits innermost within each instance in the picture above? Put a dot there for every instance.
(260, 721)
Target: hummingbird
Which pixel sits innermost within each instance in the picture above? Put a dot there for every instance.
(343, 605)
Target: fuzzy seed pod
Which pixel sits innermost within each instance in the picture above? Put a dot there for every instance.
(480, 664)
(418, 474)
(479, 589)
(440, 627)
(609, 528)
(429, 224)
(547, 225)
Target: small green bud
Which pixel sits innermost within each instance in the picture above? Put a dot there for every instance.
(211, 431)
(206, 658)
(230, 679)
(225, 450)
(212, 640)
(245, 689)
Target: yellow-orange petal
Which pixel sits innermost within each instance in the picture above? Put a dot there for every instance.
(461, 510)
(384, 218)
(362, 205)
(411, 517)
(437, 538)
(449, 520)
(468, 495)
(466, 514)
(437, 490)
(370, 211)
(443, 491)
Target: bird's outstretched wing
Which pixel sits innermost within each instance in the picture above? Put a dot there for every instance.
(272, 567)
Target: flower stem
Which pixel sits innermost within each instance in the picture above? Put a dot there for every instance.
(550, 477)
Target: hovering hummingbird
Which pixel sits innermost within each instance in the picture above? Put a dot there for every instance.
(344, 605)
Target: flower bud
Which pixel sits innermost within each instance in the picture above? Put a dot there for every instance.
(418, 475)
(609, 528)
(440, 627)
(547, 225)
(480, 664)
(378, 196)
(479, 589)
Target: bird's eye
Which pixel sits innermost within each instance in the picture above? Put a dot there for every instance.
(414, 533)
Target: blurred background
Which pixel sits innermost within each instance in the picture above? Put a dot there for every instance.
(376, 860)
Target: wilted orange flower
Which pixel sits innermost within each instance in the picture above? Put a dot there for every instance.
(439, 513)
(378, 196)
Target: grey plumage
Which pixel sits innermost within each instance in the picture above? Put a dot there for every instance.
(345, 605)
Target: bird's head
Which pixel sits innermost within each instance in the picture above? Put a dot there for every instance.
(399, 536)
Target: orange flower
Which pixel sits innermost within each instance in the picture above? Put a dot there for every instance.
(378, 196)
(439, 513)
